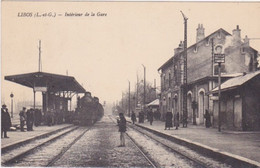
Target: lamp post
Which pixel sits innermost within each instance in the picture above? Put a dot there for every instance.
(11, 95)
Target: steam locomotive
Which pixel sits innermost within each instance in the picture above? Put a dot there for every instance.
(88, 110)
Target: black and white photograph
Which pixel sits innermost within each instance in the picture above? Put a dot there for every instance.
(130, 84)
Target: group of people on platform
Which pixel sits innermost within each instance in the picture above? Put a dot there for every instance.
(170, 119)
(30, 117)
(150, 116)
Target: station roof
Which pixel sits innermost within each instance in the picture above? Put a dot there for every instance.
(237, 81)
(53, 82)
(156, 102)
(206, 38)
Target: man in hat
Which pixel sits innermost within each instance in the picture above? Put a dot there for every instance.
(122, 129)
(22, 118)
(5, 122)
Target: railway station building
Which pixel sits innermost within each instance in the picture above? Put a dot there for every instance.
(202, 72)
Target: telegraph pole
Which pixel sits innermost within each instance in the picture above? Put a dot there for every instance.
(185, 111)
(155, 88)
(219, 96)
(219, 57)
(137, 87)
(122, 100)
(129, 100)
(40, 66)
(144, 86)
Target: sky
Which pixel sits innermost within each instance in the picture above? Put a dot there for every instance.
(103, 53)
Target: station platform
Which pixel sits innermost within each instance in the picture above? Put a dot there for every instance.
(16, 137)
(238, 145)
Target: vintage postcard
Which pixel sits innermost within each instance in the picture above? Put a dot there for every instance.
(130, 84)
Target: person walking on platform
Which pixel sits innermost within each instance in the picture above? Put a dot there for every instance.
(176, 120)
(22, 118)
(133, 117)
(151, 117)
(37, 117)
(168, 120)
(207, 117)
(29, 120)
(122, 129)
(141, 117)
(48, 118)
(5, 121)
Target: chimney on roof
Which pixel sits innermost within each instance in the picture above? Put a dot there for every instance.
(200, 33)
(246, 41)
(179, 48)
(236, 36)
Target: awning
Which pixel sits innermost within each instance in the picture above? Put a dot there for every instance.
(53, 82)
(154, 103)
(236, 82)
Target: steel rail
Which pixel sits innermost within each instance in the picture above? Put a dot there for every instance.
(16, 145)
(16, 158)
(64, 150)
(200, 164)
(139, 149)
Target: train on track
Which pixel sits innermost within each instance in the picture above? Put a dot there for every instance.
(88, 110)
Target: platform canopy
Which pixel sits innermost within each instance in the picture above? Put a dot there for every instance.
(156, 102)
(53, 82)
(237, 81)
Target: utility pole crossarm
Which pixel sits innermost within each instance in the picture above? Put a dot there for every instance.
(184, 17)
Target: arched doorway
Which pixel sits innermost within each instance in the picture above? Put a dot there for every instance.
(201, 106)
(175, 103)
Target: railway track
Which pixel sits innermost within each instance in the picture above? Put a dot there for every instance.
(43, 151)
(195, 162)
(193, 158)
(149, 160)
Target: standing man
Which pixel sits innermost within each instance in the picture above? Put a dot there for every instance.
(22, 118)
(5, 121)
(207, 117)
(122, 129)
(176, 119)
(133, 117)
(151, 116)
(30, 118)
(168, 120)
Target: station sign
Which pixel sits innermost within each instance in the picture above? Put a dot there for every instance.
(213, 97)
(219, 56)
(40, 89)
